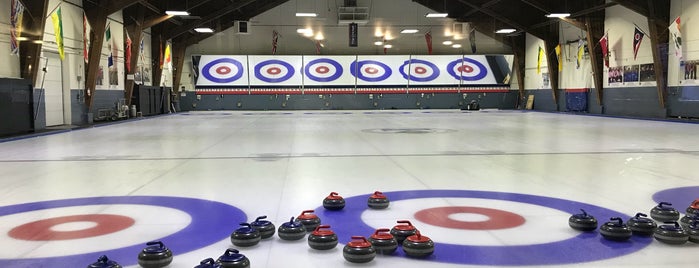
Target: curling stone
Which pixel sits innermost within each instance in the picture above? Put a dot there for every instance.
(693, 209)
(686, 220)
(383, 241)
(641, 225)
(664, 212)
(693, 231)
(245, 236)
(615, 230)
(322, 239)
(378, 201)
(359, 250)
(582, 222)
(266, 228)
(418, 245)
(671, 233)
(291, 230)
(334, 202)
(403, 230)
(208, 263)
(233, 259)
(155, 255)
(104, 262)
(309, 220)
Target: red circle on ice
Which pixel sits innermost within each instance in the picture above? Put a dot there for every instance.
(42, 230)
(322, 70)
(465, 69)
(223, 70)
(497, 219)
(371, 70)
(420, 70)
(274, 70)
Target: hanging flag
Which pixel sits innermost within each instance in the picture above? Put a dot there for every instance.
(318, 45)
(108, 35)
(16, 14)
(275, 37)
(558, 57)
(58, 31)
(581, 52)
(428, 40)
(86, 38)
(604, 44)
(472, 39)
(160, 54)
(167, 56)
(127, 52)
(539, 60)
(676, 37)
(637, 38)
(141, 53)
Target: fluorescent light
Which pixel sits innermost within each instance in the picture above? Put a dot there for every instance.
(447, 43)
(378, 43)
(436, 15)
(301, 14)
(203, 30)
(456, 45)
(319, 36)
(22, 38)
(177, 13)
(409, 31)
(558, 15)
(506, 31)
(305, 31)
(38, 41)
(387, 46)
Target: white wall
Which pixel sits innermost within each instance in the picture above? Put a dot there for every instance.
(687, 10)
(532, 79)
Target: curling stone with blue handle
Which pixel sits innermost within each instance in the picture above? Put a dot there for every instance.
(322, 238)
(664, 212)
(641, 225)
(208, 263)
(104, 262)
(582, 222)
(266, 228)
(359, 250)
(155, 255)
(233, 259)
(309, 220)
(383, 241)
(378, 201)
(245, 236)
(615, 230)
(402, 230)
(693, 231)
(671, 233)
(418, 245)
(693, 209)
(291, 230)
(686, 220)
(334, 202)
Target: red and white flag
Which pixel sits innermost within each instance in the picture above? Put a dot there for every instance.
(318, 45)
(604, 44)
(127, 52)
(16, 14)
(86, 38)
(428, 40)
(275, 37)
(676, 37)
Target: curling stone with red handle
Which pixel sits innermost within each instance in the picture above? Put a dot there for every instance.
(309, 220)
(359, 250)
(266, 228)
(671, 233)
(693, 230)
(664, 212)
(322, 238)
(233, 259)
(383, 241)
(104, 262)
(693, 209)
(155, 255)
(291, 230)
(403, 230)
(582, 222)
(245, 236)
(615, 230)
(378, 201)
(641, 225)
(208, 263)
(334, 202)
(418, 245)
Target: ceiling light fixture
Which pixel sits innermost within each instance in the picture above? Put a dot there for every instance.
(387, 46)
(558, 15)
(177, 13)
(409, 31)
(319, 36)
(203, 30)
(302, 14)
(456, 45)
(378, 43)
(447, 43)
(505, 31)
(436, 15)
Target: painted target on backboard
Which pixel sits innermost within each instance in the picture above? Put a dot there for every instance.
(274, 71)
(222, 71)
(467, 69)
(370, 70)
(323, 70)
(419, 70)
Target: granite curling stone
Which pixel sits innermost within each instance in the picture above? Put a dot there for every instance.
(693, 209)
(693, 231)
(359, 250)
(664, 212)
(322, 238)
(582, 222)
(155, 255)
(104, 262)
(291, 230)
(383, 241)
(208, 263)
(334, 202)
(266, 228)
(418, 245)
(378, 201)
(615, 230)
(671, 233)
(245, 236)
(309, 220)
(686, 220)
(402, 230)
(233, 259)
(641, 225)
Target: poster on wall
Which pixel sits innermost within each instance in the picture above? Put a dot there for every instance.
(113, 77)
(688, 73)
(615, 75)
(631, 74)
(100, 76)
(647, 74)
(545, 80)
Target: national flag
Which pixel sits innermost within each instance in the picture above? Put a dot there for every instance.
(472, 39)
(141, 52)
(581, 52)
(604, 44)
(108, 35)
(558, 57)
(16, 14)
(127, 52)
(637, 38)
(275, 37)
(428, 40)
(676, 38)
(167, 55)
(318, 45)
(58, 31)
(160, 53)
(86, 38)
(539, 60)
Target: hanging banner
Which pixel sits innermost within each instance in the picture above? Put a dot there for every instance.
(353, 35)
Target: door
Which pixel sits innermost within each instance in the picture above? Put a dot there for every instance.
(50, 78)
